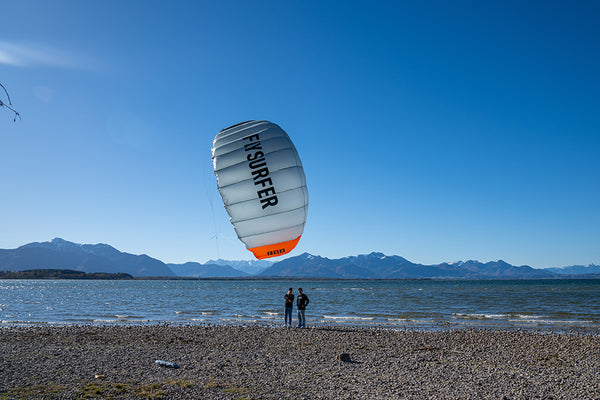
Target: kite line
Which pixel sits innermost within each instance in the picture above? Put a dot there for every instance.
(9, 105)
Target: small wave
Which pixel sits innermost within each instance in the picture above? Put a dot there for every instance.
(399, 320)
(528, 317)
(537, 320)
(185, 312)
(348, 318)
(238, 320)
(479, 316)
(21, 322)
(271, 316)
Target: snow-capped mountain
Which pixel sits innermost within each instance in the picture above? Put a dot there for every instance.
(251, 267)
(576, 270)
(380, 266)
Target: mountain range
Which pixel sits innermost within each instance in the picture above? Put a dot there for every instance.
(380, 266)
(576, 270)
(90, 258)
(251, 267)
(62, 254)
(208, 270)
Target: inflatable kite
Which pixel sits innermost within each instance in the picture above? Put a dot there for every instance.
(262, 183)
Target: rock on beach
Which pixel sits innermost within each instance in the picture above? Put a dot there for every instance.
(252, 362)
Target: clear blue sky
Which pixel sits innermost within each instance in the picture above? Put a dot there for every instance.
(434, 130)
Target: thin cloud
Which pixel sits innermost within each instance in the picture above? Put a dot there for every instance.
(35, 55)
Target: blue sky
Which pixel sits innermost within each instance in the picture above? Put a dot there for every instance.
(436, 130)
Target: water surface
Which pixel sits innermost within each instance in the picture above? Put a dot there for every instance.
(548, 305)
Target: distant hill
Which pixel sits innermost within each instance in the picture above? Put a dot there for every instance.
(576, 270)
(61, 274)
(197, 270)
(62, 254)
(380, 266)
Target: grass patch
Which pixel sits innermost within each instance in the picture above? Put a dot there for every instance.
(211, 384)
(32, 392)
(235, 389)
(184, 383)
(92, 390)
(108, 390)
(224, 387)
(152, 391)
(121, 387)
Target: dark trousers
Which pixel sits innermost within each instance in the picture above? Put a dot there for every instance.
(288, 316)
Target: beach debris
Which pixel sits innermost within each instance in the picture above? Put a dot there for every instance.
(168, 364)
(345, 357)
(99, 376)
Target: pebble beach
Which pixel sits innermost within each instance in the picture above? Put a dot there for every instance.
(253, 362)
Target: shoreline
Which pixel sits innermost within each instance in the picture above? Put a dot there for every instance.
(437, 328)
(256, 362)
(568, 328)
(469, 324)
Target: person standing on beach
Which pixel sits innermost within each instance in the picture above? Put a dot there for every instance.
(289, 305)
(302, 302)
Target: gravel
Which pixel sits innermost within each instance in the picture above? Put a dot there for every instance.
(253, 362)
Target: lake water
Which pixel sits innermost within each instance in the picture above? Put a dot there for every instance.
(547, 305)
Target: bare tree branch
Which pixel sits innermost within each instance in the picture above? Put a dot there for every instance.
(9, 105)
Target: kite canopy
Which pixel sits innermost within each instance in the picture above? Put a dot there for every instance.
(262, 183)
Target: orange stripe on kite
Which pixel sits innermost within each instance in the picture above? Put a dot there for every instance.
(274, 250)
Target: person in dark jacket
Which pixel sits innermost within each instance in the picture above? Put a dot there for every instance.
(301, 303)
(289, 306)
